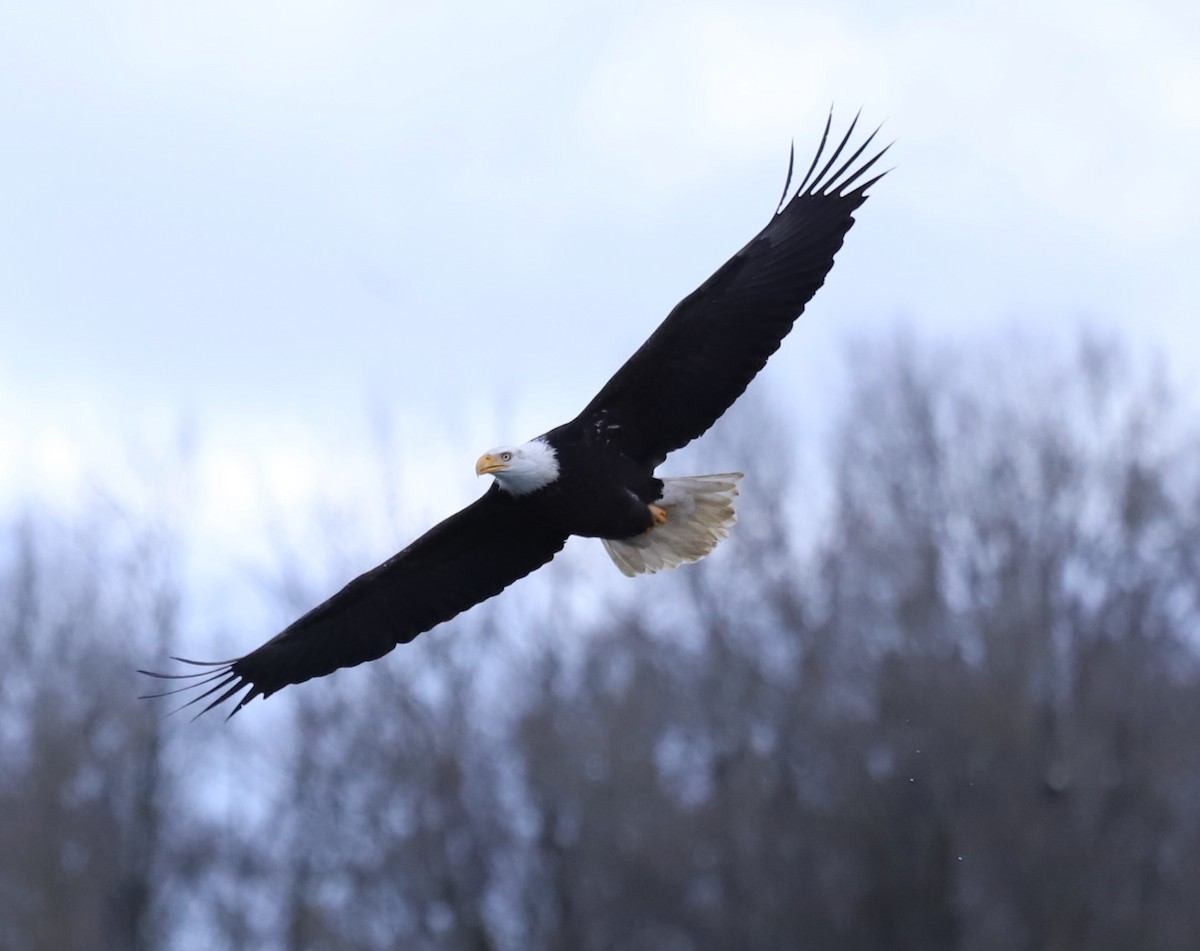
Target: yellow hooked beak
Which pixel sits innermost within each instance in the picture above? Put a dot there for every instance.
(489, 465)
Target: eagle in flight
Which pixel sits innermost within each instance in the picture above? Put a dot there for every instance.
(594, 476)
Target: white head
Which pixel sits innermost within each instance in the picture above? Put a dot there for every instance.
(520, 469)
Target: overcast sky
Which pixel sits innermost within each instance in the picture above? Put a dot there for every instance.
(259, 217)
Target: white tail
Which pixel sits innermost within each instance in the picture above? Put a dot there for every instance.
(699, 514)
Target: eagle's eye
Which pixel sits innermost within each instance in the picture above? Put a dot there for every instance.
(506, 457)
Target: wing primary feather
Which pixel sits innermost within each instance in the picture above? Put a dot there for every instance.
(174, 690)
(226, 676)
(820, 149)
(865, 185)
(250, 695)
(836, 152)
(836, 187)
(221, 699)
(209, 692)
(200, 673)
(788, 181)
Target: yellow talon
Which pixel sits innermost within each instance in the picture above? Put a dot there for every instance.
(659, 515)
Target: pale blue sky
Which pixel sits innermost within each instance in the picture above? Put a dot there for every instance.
(259, 215)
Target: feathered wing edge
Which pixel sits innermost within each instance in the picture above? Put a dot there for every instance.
(221, 671)
(446, 571)
(833, 184)
(819, 212)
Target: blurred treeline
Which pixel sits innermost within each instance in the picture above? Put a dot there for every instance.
(945, 696)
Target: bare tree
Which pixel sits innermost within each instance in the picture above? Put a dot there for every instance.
(86, 785)
(951, 707)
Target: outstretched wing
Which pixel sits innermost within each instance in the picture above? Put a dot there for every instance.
(471, 556)
(704, 355)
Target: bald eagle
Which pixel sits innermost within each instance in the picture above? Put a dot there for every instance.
(594, 476)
